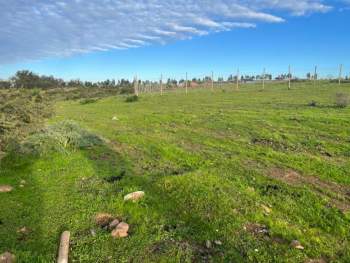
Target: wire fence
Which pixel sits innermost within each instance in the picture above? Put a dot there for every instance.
(239, 77)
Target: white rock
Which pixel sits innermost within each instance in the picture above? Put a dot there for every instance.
(218, 242)
(134, 196)
(296, 244)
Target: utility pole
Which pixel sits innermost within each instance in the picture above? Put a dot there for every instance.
(264, 73)
(186, 84)
(340, 73)
(289, 77)
(161, 84)
(237, 80)
(212, 81)
(315, 76)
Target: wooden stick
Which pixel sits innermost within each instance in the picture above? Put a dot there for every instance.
(212, 81)
(186, 84)
(64, 248)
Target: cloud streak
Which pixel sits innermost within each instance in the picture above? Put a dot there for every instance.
(34, 29)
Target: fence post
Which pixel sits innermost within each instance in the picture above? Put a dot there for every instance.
(237, 80)
(340, 73)
(212, 81)
(161, 84)
(136, 83)
(186, 84)
(264, 73)
(315, 76)
(289, 77)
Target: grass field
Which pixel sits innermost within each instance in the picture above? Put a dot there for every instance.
(228, 176)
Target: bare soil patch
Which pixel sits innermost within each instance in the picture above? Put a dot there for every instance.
(339, 195)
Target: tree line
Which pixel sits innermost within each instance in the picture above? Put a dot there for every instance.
(29, 80)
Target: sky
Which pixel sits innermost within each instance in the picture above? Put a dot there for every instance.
(113, 39)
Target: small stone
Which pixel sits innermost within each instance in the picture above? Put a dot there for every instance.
(115, 118)
(319, 260)
(23, 182)
(135, 196)
(21, 185)
(121, 230)
(5, 188)
(113, 224)
(103, 219)
(266, 209)
(208, 244)
(7, 257)
(93, 232)
(218, 242)
(24, 231)
(296, 244)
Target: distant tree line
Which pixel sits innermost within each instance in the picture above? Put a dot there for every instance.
(28, 80)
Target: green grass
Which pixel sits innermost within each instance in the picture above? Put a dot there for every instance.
(205, 161)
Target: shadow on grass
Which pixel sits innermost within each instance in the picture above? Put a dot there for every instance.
(21, 208)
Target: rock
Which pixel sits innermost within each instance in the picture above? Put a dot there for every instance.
(296, 244)
(257, 229)
(320, 260)
(115, 118)
(121, 230)
(218, 242)
(134, 196)
(266, 209)
(23, 182)
(113, 224)
(103, 219)
(93, 232)
(5, 188)
(7, 257)
(24, 231)
(208, 244)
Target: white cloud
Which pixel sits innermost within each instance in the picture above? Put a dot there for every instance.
(32, 29)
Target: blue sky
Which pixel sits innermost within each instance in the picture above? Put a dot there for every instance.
(100, 39)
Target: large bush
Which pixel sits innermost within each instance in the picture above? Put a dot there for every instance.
(21, 113)
(59, 137)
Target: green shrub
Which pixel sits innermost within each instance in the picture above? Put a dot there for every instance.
(88, 101)
(132, 98)
(60, 137)
(342, 100)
